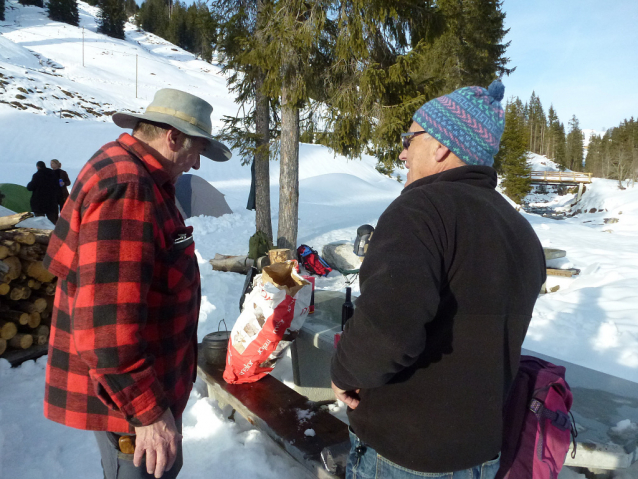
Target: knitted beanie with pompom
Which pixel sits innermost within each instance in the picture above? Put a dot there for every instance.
(469, 121)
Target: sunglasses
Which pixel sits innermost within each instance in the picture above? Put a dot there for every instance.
(406, 138)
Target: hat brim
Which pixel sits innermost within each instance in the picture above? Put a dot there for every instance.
(215, 150)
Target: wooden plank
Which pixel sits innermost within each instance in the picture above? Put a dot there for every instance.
(17, 356)
(274, 408)
(563, 272)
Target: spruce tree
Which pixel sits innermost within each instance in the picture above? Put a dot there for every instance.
(561, 146)
(153, 17)
(253, 131)
(131, 8)
(552, 125)
(111, 18)
(511, 160)
(574, 146)
(64, 11)
(2, 10)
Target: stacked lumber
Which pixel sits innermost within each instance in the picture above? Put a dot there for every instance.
(26, 287)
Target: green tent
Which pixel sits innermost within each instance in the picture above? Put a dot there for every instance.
(16, 198)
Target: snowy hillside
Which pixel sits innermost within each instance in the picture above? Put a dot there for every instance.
(53, 107)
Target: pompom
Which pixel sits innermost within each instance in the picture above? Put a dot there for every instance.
(496, 90)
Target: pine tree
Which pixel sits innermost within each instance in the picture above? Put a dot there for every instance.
(64, 11)
(131, 8)
(561, 146)
(511, 160)
(2, 10)
(241, 24)
(111, 18)
(552, 137)
(153, 17)
(574, 146)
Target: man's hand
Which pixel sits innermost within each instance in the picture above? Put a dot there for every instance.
(350, 398)
(159, 441)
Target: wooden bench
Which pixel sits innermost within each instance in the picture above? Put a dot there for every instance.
(285, 416)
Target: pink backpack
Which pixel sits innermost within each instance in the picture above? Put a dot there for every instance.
(537, 424)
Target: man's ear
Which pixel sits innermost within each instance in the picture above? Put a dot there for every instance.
(442, 153)
(173, 139)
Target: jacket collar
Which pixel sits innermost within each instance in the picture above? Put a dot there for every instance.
(480, 176)
(137, 148)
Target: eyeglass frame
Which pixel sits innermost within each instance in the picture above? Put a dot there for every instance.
(406, 138)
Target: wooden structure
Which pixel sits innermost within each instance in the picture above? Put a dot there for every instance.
(310, 434)
(561, 178)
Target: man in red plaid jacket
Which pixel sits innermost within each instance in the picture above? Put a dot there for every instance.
(123, 347)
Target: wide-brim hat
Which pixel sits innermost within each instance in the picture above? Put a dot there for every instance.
(183, 111)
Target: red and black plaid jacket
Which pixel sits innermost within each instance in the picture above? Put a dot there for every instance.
(123, 340)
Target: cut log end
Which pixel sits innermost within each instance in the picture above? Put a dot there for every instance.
(7, 329)
(21, 341)
(34, 320)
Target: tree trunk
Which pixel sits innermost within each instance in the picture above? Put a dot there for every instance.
(233, 264)
(10, 221)
(20, 235)
(36, 270)
(289, 173)
(263, 221)
(41, 236)
(17, 317)
(21, 341)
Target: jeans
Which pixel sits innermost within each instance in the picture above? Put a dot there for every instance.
(117, 465)
(365, 463)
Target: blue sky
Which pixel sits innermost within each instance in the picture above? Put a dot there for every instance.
(580, 55)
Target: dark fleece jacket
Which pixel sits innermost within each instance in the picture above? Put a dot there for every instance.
(45, 188)
(447, 291)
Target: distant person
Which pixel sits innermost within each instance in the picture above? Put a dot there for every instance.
(123, 347)
(448, 286)
(63, 181)
(45, 189)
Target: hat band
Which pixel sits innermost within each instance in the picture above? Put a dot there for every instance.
(181, 116)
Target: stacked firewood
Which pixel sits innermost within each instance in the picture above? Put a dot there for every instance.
(26, 287)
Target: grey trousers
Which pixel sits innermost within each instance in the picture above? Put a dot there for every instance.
(117, 465)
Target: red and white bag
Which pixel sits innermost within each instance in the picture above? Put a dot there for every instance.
(272, 315)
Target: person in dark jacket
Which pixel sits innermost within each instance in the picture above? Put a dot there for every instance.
(45, 189)
(63, 181)
(447, 292)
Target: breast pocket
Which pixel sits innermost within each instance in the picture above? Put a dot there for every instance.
(176, 269)
(182, 270)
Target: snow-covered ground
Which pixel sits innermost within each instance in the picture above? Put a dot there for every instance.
(591, 320)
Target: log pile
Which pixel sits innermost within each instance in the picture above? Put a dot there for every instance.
(26, 287)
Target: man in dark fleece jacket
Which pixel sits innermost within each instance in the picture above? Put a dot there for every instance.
(45, 190)
(447, 292)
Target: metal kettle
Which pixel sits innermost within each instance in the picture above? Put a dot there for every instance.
(364, 233)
